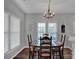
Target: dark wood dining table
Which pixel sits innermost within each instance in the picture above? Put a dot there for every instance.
(36, 43)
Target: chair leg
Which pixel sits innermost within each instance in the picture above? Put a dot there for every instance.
(53, 56)
(38, 54)
(56, 55)
(39, 57)
(29, 54)
(60, 54)
(50, 57)
(32, 55)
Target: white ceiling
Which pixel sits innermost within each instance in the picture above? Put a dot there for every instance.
(39, 6)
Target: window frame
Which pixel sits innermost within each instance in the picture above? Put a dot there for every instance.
(47, 28)
(9, 31)
(41, 27)
(53, 27)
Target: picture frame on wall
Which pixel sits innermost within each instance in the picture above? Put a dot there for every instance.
(62, 28)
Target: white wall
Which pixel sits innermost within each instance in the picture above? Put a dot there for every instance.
(33, 19)
(12, 9)
(29, 24)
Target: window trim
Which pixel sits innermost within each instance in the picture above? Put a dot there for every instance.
(9, 31)
(46, 27)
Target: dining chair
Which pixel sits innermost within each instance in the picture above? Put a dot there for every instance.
(45, 48)
(46, 34)
(32, 49)
(62, 46)
(46, 39)
(59, 49)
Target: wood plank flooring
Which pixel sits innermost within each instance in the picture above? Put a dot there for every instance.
(24, 54)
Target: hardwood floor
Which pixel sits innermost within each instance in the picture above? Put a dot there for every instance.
(24, 54)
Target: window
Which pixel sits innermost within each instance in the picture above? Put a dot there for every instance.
(41, 29)
(52, 30)
(14, 32)
(6, 32)
(11, 32)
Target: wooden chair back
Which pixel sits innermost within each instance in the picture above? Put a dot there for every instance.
(29, 42)
(45, 40)
(30, 37)
(63, 37)
(45, 48)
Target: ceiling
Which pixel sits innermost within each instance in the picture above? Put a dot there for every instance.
(39, 6)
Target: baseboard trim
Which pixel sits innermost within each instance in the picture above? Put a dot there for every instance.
(19, 52)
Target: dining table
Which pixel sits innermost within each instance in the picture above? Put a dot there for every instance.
(36, 43)
(54, 44)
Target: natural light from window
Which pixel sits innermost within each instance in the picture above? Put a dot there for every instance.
(51, 30)
(41, 29)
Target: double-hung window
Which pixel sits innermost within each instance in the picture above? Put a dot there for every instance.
(52, 30)
(41, 29)
(11, 32)
(14, 32)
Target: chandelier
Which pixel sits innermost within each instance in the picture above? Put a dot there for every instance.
(49, 13)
